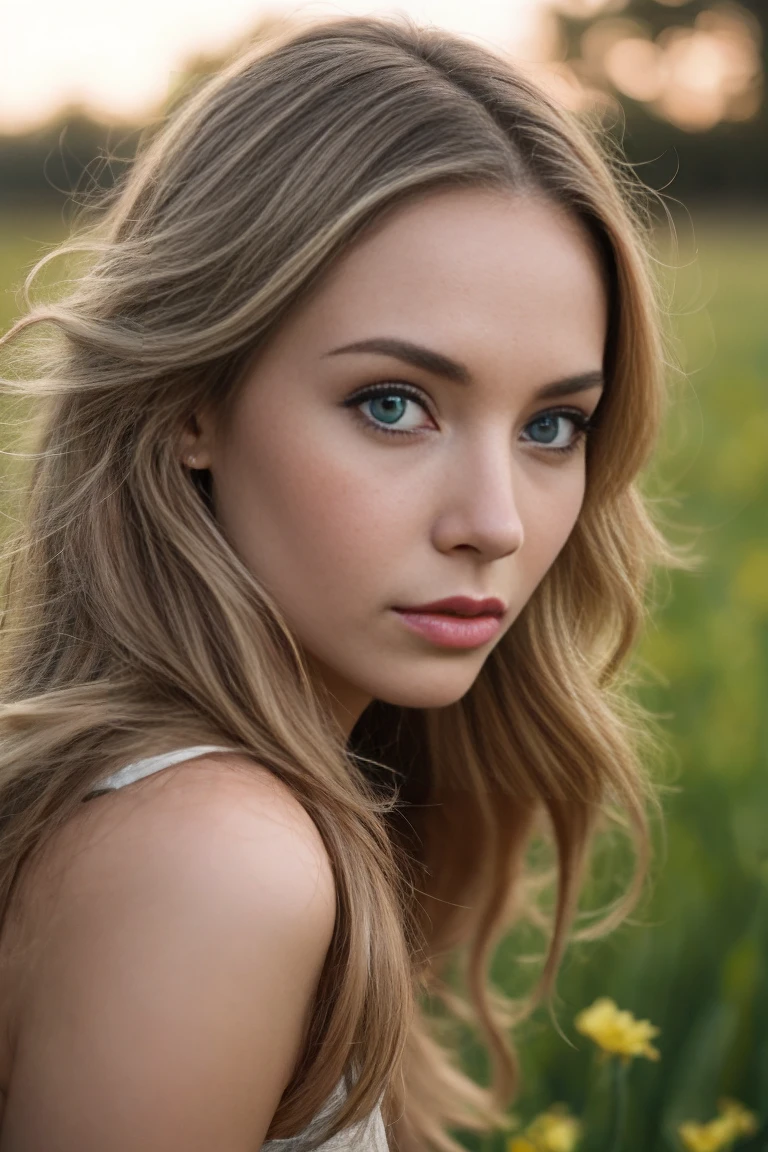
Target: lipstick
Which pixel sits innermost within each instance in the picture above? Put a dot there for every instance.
(455, 622)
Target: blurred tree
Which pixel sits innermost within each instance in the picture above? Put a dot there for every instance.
(689, 76)
(66, 157)
(75, 153)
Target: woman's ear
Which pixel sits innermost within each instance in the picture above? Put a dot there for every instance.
(196, 441)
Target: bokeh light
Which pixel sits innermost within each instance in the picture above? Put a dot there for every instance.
(694, 75)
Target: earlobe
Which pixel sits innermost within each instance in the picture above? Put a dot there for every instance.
(194, 451)
(194, 457)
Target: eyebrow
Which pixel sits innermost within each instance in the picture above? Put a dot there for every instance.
(441, 365)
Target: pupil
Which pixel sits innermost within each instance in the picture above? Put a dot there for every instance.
(393, 408)
(545, 429)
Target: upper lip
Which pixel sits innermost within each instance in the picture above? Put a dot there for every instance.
(461, 606)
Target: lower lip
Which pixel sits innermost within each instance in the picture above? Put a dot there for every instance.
(452, 631)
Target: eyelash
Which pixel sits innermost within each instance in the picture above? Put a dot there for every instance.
(583, 423)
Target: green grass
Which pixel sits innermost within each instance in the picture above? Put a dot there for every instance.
(694, 961)
(24, 237)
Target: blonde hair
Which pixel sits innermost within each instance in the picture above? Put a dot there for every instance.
(131, 625)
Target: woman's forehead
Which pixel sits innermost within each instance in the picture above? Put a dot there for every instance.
(466, 268)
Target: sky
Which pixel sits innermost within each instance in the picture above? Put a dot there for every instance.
(118, 57)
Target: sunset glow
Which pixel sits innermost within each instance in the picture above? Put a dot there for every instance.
(117, 59)
(693, 75)
(120, 62)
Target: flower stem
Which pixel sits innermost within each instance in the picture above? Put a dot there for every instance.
(619, 1118)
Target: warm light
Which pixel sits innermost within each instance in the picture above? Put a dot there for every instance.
(737, 44)
(542, 40)
(637, 68)
(697, 63)
(710, 69)
(694, 76)
(118, 60)
(600, 37)
(586, 9)
(695, 111)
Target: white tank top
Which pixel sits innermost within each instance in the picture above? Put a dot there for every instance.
(368, 1135)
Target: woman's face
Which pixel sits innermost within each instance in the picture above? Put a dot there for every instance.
(356, 481)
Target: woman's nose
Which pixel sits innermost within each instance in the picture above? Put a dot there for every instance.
(478, 506)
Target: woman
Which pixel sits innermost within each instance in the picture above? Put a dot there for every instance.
(367, 344)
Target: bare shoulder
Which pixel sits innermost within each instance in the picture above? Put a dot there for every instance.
(175, 932)
(218, 822)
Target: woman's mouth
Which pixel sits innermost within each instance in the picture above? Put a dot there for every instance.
(456, 621)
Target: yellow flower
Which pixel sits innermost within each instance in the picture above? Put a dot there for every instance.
(742, 1121)
(616, 1031)
(552, 1131)
(555, 1131)
(734, 1121)
(706, 1137)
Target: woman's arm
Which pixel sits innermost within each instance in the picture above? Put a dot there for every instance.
(180, 930)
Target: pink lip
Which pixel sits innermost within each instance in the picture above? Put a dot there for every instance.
(463, 605)
(451, 631)
(456, 621)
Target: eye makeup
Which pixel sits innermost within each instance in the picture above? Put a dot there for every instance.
(546, 420)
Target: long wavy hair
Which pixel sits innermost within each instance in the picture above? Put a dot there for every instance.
(131, 626)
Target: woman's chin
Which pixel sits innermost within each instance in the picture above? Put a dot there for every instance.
(426, 695)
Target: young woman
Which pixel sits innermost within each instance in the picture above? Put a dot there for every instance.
(366, 345)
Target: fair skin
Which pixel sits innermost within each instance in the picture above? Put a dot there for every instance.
(159, 982)
(160, 974)
(342, 523)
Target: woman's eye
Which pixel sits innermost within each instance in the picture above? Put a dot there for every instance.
(389, 409)
(557, 430)
(397, 409)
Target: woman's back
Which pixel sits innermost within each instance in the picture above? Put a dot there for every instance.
(166, 952)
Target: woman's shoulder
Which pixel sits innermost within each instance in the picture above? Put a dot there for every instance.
(219, 823)
(172, 932)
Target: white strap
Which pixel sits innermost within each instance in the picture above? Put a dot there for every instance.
(141, 768)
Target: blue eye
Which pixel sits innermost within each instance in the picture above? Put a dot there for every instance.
(556, 431)
(545, 429)
(559, 431)
(390, 408)
(387, 405)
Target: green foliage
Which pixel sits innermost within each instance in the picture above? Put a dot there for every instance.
(24, 237)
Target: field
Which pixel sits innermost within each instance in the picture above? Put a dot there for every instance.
(693, 960)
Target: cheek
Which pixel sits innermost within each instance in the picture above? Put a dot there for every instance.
(548, 520)
(306, 514)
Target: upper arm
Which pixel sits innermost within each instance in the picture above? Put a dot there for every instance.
(167, 1004)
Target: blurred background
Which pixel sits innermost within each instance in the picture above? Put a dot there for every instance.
(682, 84)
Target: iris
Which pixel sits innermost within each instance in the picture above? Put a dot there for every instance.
(391, 407)
(545, 429)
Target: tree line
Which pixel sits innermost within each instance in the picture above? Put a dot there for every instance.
(75, 154)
